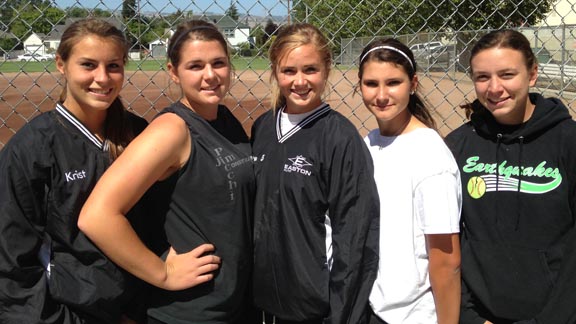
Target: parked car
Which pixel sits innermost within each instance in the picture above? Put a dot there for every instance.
(26, 57)
(422, 49)
(441, 54)
(445, 57)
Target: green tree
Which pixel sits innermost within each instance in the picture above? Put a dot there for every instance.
(76, 12)
(232, 11)
(265, 36)
(143, 30)
(33, 18)
(174, 19)
(473, 15)
(9, 9)
(357, 18)
(7, 44)
(97, 12)
(257, 33)
(270, 29)
(129, 9)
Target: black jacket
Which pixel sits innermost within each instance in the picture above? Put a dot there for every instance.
(49, 271)
(518, 258)
(320, 168)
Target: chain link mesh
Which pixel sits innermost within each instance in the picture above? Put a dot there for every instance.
(440, 32)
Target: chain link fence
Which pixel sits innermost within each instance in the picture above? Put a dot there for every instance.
(440, 32)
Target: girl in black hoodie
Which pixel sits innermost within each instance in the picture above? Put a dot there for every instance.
(517, 159)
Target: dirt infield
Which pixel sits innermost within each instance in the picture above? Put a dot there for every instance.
(24, 95)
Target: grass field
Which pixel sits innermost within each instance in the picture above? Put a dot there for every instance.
(150, 64)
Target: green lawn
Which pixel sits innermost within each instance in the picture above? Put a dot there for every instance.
(241, 63)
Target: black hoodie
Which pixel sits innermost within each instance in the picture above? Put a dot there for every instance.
(518, 216)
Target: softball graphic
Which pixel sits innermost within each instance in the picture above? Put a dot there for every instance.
(476, 187)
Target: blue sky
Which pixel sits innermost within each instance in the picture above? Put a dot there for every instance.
(253, 7)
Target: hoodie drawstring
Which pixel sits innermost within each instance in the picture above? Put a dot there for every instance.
(498, 142)
(520, 169)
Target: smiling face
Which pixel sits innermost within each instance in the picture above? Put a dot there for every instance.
(203, 73)
(301, 76)
(385, 89)
(502, 81)
(94, 74)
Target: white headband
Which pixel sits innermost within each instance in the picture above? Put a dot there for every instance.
(388, 48)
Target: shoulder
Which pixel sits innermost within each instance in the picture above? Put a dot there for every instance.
(371, 139)
(461, 130)
(167, 125)
(434, 152)
(334, 126)
(226, 117)
(429, 137)
(266, 118)
(224, 112)
(269, 114)
(137, 123)
(335, 117)
(162, 147)
(33, 144)
(167, 131)
(566, 136)
(38, 131)
(459, 135)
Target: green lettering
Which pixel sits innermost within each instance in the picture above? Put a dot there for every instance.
(470, 164)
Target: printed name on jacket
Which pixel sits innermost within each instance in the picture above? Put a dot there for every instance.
(75, 175)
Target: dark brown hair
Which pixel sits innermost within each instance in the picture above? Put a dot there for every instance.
(194, 30)
(504, 38)
(416, 105)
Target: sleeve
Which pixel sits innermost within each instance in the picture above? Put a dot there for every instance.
(354, 214)
(439, 198)
(23, 279)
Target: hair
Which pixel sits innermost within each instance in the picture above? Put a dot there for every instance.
(117, 127)
(504, 38)
(194, 30)
(289, 38)
(404, 59)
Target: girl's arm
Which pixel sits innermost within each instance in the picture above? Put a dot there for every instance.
(444, 267)
(160, 150)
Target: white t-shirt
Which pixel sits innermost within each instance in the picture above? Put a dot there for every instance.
(420, 193)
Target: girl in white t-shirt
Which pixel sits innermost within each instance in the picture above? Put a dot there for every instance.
(420, 195)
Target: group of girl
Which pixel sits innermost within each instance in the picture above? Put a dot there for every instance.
(303, 222)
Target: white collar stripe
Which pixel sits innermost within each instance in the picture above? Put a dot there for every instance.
(279, 123)
(79, 125)
(319, 111)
